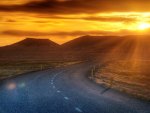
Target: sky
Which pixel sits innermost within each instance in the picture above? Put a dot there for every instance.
(64, 20)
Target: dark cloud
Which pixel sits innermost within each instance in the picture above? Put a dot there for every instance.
(111, 19)
(20, 33)
(23, 33)
(10, 20)
(93, 18)
(60, 34)
(80, 6)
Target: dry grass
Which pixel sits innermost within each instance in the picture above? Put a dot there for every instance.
(12, 68)
(132, 77)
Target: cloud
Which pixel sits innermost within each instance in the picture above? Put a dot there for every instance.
(79, 6)
(111, 19)
(33, 33)
(60, 34)
(10, 20)
(93, 18)
(23, 33)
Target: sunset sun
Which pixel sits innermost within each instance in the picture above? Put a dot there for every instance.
(144, 26)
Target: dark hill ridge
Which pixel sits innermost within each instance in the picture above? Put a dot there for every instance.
(82, 47)
(30, 48)
(91, 42)
(81, 42)
(32, 42)
(36, 42)
(112, 46)
(107, 42)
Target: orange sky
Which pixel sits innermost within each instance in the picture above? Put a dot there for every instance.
(63, 20)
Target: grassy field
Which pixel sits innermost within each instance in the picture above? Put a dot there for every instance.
(12, 68)
(132, 77)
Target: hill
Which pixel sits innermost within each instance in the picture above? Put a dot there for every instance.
(36, 42)
(30, 48)
(85, 47)
(110, 46)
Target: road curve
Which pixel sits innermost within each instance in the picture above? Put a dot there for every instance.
(64, 90)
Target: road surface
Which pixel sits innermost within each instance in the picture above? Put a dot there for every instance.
(64, 90)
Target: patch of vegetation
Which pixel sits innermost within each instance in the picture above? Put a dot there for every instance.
(132, 77)
(12, 68)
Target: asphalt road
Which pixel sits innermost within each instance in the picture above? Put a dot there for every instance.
(64, 90)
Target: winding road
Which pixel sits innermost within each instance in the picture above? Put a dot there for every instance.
(64, 90)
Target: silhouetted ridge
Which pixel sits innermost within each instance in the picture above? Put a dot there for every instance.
(89, 41)
(30, 48)
(36, 42)
(85, 47)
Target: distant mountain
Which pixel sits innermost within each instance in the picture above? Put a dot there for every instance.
(81, 42)
(30, 48)
(85, 47)
(36, 42)
(32, 42)
(112, 46)
(92, 42)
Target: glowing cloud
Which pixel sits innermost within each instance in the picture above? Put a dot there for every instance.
(143, 26)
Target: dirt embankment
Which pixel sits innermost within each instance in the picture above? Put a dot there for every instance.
(132, 77)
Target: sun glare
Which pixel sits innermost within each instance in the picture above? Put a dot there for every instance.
(143, 26)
